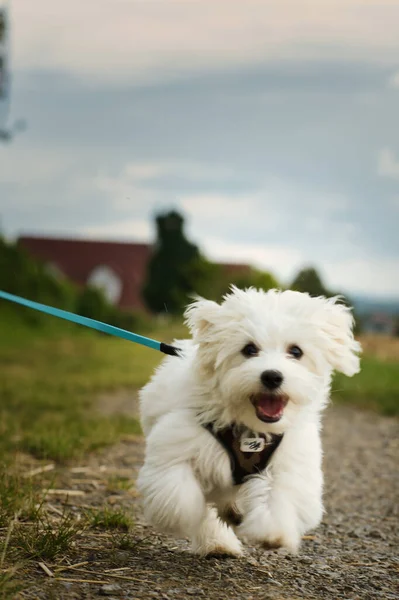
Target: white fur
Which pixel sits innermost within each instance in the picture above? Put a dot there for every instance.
(186, 479)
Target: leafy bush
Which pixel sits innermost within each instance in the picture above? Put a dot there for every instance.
(90, 302)
(22, 275)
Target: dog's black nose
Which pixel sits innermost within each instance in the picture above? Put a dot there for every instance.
(272, 379)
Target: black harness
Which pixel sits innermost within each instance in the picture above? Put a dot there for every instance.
(244, 464)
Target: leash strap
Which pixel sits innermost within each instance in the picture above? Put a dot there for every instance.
(93, 324)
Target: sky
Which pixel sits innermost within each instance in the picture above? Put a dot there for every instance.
(272, 126)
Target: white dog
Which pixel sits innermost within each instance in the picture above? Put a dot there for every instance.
(232, 425)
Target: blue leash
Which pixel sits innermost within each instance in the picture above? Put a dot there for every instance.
(93, 324)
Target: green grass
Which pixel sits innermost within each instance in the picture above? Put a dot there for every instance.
(9, 585)
(49, 380)
(50, 377)
(42, 539)
(109, 518)
(17, 496)
(117, 483)
(376, 387)
(125, 542)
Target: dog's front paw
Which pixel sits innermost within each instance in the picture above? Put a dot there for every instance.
(284, 540)
(214, 551)
(221, 548)
(257, 529)
(215, 538)
(274, 544)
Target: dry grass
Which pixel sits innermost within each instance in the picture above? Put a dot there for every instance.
(383, 348)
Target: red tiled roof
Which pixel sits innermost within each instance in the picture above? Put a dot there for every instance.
(77, 259)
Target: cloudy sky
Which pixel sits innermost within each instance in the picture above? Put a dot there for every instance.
(272, 125)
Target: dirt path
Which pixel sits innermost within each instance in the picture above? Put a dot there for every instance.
(352, 555)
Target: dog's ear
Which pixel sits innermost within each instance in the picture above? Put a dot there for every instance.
(200, 316)
(337, 327)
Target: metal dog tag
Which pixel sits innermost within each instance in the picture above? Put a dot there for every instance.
(252, 444)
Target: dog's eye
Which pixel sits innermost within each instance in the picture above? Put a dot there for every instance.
(295, 352)
(250, 350)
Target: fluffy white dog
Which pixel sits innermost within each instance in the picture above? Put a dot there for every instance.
(232, 425)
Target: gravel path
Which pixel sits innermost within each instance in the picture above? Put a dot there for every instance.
(352, 555)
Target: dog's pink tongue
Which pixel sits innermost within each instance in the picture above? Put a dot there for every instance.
(270, 406)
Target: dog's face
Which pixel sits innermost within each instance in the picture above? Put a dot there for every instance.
(269, 355)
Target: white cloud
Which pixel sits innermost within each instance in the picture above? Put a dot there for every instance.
(137, 181)
(280, 260)
(25, 165)
(143, 171)
(275, 206)
(149, 41)
(121, 192)
(193, 171)
(137, 230)
(369, 276)
(270, 201)
(212, 206)
(394, 80)
(378, 277)
(388, 165)
(394, 203)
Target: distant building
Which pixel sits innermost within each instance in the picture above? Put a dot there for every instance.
(117, 268)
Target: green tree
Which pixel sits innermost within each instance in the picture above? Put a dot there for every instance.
(222, 277)
(308, 280)
(176, 269)
(254, 278)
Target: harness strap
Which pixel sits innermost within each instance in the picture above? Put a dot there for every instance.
(244, 464)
